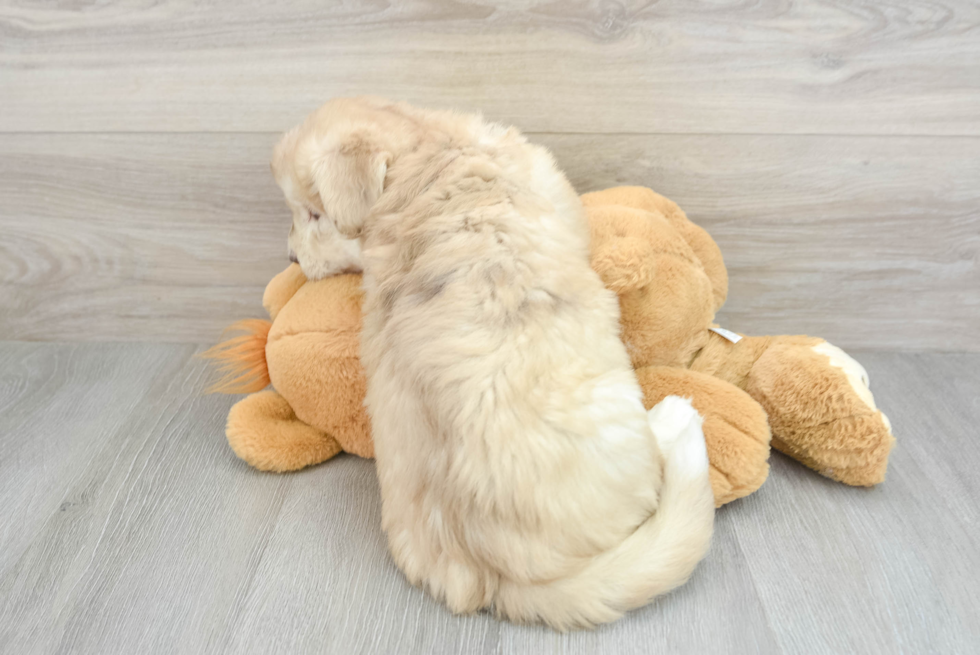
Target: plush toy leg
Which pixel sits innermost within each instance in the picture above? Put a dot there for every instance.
(820, 408)
(735, 429)
(263, 430)
(822, 411)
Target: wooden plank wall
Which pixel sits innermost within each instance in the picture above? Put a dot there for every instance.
(832, 148)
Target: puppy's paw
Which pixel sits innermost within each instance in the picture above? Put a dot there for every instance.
(673, 420)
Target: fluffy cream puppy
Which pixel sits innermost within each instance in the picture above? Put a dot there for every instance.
(517, 465)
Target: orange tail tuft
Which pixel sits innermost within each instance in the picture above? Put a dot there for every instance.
(240, 361)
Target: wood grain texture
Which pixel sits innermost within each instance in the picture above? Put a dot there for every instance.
(907, 552)
(817, 66)
(136, 237)
(138, 539)
(870, 242)
(129, 526)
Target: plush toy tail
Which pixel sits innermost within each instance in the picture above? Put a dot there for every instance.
(240, 361)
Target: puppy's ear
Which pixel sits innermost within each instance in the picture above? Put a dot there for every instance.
(350, 177)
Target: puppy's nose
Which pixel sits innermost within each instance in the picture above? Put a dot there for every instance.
(293, 258)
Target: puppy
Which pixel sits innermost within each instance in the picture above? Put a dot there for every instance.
(518, 467)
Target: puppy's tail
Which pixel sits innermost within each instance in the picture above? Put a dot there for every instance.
(659, 556)
(240, 361)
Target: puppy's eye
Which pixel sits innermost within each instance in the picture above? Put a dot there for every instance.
(313, 215)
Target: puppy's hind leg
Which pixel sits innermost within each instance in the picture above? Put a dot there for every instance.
(463, 586)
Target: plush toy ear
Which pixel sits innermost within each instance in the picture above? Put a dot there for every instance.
(350, 178)
(623, 252)
(623, 263)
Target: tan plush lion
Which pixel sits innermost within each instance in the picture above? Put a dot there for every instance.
(670, 279)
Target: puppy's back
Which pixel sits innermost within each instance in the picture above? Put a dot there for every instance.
(516, 460)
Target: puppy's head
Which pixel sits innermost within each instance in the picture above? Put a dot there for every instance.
(331, 169)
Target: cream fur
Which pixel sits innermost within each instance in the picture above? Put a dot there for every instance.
(518, 467)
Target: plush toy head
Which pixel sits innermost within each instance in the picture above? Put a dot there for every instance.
(643, 247)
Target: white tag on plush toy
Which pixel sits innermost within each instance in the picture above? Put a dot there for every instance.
(728, 334)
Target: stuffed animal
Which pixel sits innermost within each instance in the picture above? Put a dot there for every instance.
(670, 279)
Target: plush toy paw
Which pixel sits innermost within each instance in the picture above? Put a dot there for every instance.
(736, 432)
(263, 430)
(821, 410)
(856, 375)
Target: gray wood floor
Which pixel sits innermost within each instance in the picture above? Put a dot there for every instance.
(127, 525)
